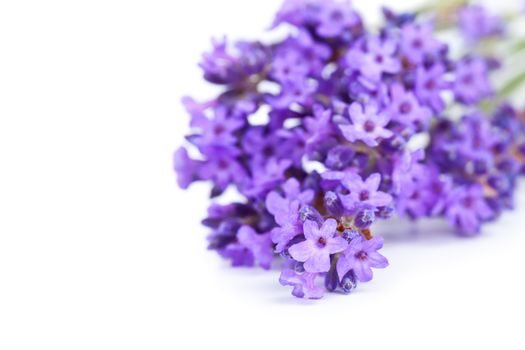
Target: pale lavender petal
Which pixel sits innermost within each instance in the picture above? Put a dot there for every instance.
(302, 251)
(362, 271)
(336, 245)
(311, 230)
(318, 262)
(377, 260)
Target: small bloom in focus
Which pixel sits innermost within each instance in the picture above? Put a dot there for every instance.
(364, 193)
(368, 124)
(320, 243)
(360, 256)
(303, 284)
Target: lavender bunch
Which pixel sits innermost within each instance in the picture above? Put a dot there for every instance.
(337, 126)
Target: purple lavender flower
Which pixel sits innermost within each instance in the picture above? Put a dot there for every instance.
(363, 193)
(301, 120)
(266, 177)
(222, 167)
(185, 167)
(368, 124)
(260, 245)
(373, 60)
(292, 191)
(286, 214)
(335, 18)
(467, 208)
(238, 255)
(360, 256)
(289, 66)
(405, 108)
(303, 284)
(418, 41)
(471, 84)
(218, 131)
(477, 22)
(429, 86)
(320, 243)
(222, 66)
(318, 127)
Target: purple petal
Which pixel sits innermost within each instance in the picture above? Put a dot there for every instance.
(362, 271)
(344, 264)
(373, 181)
(302, 251)
(380, 199)
(377, 260)
(311, 230)
(328, 228)
(318, 262)
(336, 245)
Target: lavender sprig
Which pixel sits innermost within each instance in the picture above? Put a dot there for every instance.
(349, 102)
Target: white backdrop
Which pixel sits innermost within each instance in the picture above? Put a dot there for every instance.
(100, 250)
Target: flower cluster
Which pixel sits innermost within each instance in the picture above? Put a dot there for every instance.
(352, 104)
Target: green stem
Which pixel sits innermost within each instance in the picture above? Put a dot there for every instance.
(514, 84)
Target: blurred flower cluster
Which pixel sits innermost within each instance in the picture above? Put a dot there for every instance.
(375, 113)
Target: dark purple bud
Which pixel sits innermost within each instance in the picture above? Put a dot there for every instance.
(331, 280)
(394, 143)
(361, 160)
(506, 166)
(312, 182)
(409, 79)
(298, 266)
(385, 212)
(243, 210)
(333, 204)
(339, 157)
(350, 235)
(500, 184)
(266, 222)
(480, 167)
(228, 227)
(348, 283)
(521, 149)
(216, 191)
(310, 213)
(364, 218)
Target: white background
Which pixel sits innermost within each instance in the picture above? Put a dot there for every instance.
(100, 250)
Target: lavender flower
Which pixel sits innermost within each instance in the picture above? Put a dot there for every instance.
(364, 193)
(303, 284)
(360, 256)
(260, 245)
(317, 134)
(467, 208)
(368, 125)
(320, 243)
(471, 84)
(418, 42)
(477, 22)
